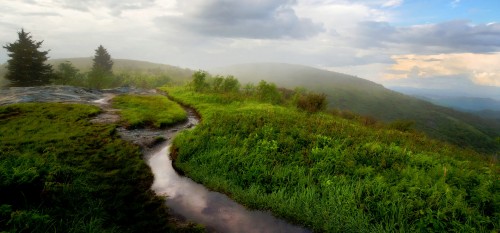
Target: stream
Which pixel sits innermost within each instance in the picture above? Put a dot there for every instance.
(185, 198)
(190, 200)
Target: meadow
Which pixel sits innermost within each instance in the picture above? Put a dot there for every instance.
(333, 174)
(154, 111)
(61, 173)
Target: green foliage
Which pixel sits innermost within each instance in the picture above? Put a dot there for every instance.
(199, 82)
(402, 125)
(144, 80)
(101, 76)
(231, 84)
(268, 92)
(102, 61)
(363, 97)
(336, 175)
(217, 82)
(60, 173)
(312, 102)
(101, 79)
(227, 84)
(249, 89)
(26, 66)
(156, 111)
(67, 74)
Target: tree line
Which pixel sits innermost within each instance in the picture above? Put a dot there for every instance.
(27, 65)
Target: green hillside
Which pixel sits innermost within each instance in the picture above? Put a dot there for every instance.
(130, 66)
(364, 97)
(330, 174)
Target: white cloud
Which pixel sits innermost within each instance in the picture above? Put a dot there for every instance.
(482, 69)
(392, 3)
(356, 37)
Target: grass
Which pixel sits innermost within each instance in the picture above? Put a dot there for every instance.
(61, 173)
(335, 175)
(156, 111)
(364, 97)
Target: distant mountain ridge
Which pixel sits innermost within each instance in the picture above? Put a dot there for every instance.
(84, 64)
(365, 97)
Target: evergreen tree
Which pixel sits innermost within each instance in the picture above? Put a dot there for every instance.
(102, 61)
(26, 66)
(101, 75)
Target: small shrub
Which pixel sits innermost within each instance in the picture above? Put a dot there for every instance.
(402, 125)
(312, 102)
(346, 114)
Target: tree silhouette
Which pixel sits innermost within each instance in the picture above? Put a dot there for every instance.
(26, 66)
(101, 75)
(102, 61)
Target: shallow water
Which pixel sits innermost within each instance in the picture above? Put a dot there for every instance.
(194, 202)
(214, 210)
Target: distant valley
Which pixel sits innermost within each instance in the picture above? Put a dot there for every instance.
(364, 97)
(484, 107)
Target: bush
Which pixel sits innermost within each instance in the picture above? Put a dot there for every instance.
(268, 92)
(312, 102)
(402, 125)
(199, 82)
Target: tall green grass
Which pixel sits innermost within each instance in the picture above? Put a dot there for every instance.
(61, 173)
(335, 175)
(156, 111)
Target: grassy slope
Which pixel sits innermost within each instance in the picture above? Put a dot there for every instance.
(157, 111)
(334, 175)
(58, 172)
(368, 98)
(130, 66)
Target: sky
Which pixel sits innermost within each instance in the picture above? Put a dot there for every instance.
(393, 42)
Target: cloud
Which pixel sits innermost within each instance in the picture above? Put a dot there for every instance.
(446, 37)
(272, 19)
(392, 3)
(482, 69)
(115, 7)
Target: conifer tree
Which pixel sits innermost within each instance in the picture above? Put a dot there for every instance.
(101, 75)
(26, 66)
(102, 61)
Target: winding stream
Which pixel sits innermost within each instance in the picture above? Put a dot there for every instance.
(198, 204)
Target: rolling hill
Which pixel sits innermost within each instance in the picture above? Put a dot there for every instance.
(84, 64)
(121, 66)
(364, 97)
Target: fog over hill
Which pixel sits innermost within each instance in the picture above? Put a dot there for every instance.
(365, 97)
(84, 64)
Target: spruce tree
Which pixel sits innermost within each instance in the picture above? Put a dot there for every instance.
(26, 66)
(102, 61)
(101, 75)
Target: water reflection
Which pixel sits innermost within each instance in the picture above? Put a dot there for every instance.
(214, 210)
